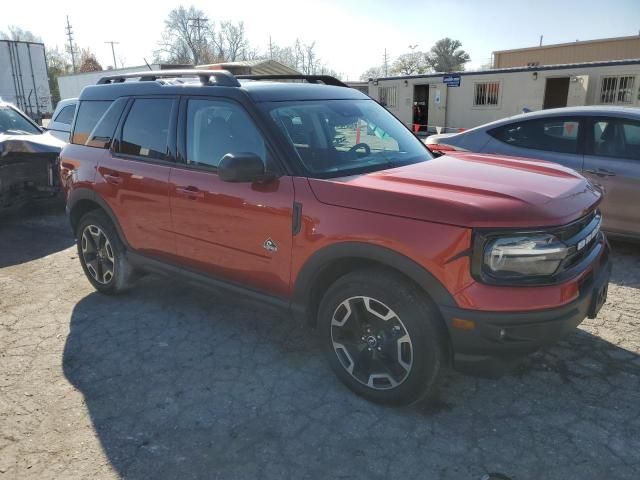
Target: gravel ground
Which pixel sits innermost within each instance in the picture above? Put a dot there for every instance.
(170, 381)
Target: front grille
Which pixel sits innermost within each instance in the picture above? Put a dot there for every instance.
(581, 237)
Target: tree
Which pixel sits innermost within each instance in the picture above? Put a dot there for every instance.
(88, 62)
(373, 72)
(231, 43)
(300, 56)
(19, 34)
(57, 64)
(413, 63)
(187, 38)
(447, 56)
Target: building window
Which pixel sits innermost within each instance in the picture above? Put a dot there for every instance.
(388, 96)
(617, 89)
(486, 94)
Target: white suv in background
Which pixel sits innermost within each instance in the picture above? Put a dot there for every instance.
(60, 124)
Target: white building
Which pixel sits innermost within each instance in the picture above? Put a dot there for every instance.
(448, 102)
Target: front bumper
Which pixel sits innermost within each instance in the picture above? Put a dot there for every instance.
(501, 337)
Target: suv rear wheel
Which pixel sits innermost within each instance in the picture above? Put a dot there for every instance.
(382, 336)
(102, 254)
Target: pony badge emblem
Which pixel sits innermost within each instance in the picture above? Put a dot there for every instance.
(270, 245)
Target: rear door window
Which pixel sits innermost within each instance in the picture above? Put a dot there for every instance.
(551, 134)
(89, 112)
(615, 137)
(145, 132)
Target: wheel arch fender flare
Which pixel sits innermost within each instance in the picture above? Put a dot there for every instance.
(303, 289)
(86, 194)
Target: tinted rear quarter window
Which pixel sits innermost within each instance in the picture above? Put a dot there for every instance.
(551, 134)
(145, 132)
(89, 112)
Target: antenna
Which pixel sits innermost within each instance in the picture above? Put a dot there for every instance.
(149, 66)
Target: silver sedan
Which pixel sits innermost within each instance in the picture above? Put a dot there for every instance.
(603, 143)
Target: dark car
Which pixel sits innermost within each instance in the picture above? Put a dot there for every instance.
(27, 159)
(316, 199)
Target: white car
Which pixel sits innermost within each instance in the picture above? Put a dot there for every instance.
(60, 124)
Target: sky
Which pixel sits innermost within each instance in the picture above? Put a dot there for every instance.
(350, 35)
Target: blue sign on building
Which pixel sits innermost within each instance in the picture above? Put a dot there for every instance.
(451, 80)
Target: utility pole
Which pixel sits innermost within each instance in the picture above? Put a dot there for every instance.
(71, 49)
(198, 23)
(386, 63)
(541, 39)
(270, 48)
(113, 51)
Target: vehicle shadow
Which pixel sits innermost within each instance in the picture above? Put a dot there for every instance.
(46, 228)
(182, 383)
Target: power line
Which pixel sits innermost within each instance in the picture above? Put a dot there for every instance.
(113, 51)
(386, 63)
(71, 49)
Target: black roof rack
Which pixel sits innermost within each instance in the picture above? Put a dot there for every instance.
(222, 77)
(326, 79)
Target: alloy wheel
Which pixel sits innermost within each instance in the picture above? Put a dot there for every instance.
(371, 342)
(97, 254)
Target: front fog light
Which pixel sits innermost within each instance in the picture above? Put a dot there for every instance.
(530, 255)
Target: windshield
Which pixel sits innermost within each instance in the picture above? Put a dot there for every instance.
(344, 137)
(13, 123)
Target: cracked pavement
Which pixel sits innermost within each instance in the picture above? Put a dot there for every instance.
(170, 381)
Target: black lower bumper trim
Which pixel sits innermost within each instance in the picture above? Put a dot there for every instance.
(505, 336)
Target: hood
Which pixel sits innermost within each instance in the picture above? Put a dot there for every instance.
(470, 190)
(44, 143)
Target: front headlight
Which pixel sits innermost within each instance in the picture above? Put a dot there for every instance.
(523, 255)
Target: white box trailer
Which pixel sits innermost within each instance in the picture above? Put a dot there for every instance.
(24, 80)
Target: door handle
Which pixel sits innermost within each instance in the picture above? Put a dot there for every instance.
(112, 178)
(601, 172)
(190, 192)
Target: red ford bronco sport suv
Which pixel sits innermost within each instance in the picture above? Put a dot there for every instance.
(315, 198)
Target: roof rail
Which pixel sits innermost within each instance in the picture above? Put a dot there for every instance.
(222, 77)
(326, 79)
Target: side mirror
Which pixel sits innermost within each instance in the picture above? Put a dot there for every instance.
(242, 167)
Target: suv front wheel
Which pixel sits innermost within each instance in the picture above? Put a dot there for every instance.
(382, 336)
(102, 254)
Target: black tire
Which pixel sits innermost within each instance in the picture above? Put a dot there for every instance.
(122, 273)
(408, 311)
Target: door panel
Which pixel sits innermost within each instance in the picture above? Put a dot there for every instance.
(240, 232)
(138, 194)
(437, 110)
(610, 141)
(221, 228)
(134, 178)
